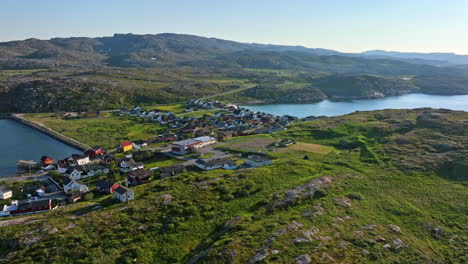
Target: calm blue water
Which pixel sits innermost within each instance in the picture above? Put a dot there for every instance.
(330, 108)
(21, 142)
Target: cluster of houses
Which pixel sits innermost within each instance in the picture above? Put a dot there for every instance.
(95, 161)
(192, 134)
(231, 120)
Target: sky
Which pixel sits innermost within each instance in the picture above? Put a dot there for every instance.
(342, 25)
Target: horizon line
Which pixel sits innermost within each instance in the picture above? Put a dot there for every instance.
(290, 45)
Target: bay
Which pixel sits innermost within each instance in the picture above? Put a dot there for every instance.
(336, 108)
(21, 142)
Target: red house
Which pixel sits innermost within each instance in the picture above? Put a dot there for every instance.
(33, 207)
(95, 151)
(106, 186)
(46, 160)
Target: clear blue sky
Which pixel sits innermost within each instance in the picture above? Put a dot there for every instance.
(344, 25)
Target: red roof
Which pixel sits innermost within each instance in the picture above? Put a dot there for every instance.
(126, 143)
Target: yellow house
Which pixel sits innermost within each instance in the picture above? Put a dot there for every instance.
(126, 146)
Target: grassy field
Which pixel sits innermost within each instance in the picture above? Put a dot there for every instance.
(161, 161)
(306, 148)
(106, 131)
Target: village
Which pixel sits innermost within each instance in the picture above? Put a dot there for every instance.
(191, 144)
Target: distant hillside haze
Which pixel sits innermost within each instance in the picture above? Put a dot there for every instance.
(448, 58)
(87, 74)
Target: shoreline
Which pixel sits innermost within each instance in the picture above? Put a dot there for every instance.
(335, 100)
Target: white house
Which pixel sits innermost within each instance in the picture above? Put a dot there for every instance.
(75, 172)
(70, 185)
(124, 194)
(257, 161)
(79, 159)
(5, 193)
(185, 146)
(7, 208)
(130, 165)
(94, 169)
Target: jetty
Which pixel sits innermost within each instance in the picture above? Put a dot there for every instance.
(27, 164)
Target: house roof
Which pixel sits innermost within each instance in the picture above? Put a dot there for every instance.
(122, 189)
(126, 143)
(173, 168)
(104, 184)
(214, 161)
(45, 158)
(139, 142)
(140, 173)
(133, 164)
(72, 168)
(94, 167)
(4, 189)
(78, 156)
(107, 156)
(69, 180)
(34, 204)
(257, 158)
(66, 181)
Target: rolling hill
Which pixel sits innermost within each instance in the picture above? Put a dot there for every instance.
(87, 74)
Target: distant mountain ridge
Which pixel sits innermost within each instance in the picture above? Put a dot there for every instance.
(449, 58)
(146, 50)
(87, 74)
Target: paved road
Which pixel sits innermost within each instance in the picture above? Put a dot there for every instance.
(228, 92)
(33, 176)
(191, 160)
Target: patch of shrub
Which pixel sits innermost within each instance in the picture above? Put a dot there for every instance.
(320, 193)
(355, 196)
(88, 197)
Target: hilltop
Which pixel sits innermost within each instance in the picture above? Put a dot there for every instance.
(89, 74)
(376, 187)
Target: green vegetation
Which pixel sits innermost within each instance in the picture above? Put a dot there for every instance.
(373, 198)
(106, 131)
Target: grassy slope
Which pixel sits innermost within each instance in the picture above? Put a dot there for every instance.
(106, 131)
(203, 203)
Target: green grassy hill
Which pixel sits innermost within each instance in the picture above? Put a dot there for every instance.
(377, 187)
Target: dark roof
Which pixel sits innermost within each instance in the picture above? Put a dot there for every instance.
(107, 156)
(104, 184)
(78, 156)
(173, 168)
(33, 204)
(214, 161)
(4, 189)
(96, 147)
(72, 168)
(122, 189)
(132, 164)
(140, 173)
(66, 181)
(257, 158)
(93, 167)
